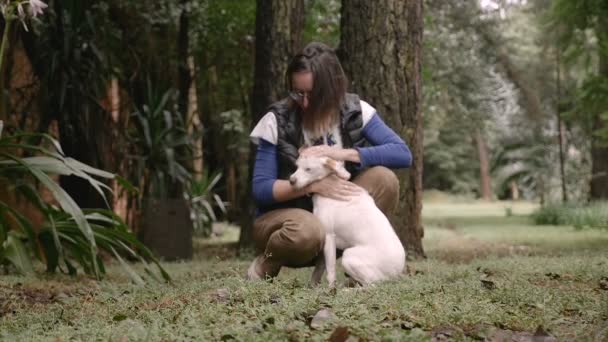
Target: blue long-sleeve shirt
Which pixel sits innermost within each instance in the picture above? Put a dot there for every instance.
(387, 149)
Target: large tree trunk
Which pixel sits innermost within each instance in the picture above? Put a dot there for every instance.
(194, 120)
(380, 49)
(484, 167)
(561, 131)
(599, 150)
(278, 31)
(183, 71)
(599, 167)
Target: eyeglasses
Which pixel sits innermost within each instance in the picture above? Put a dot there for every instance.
(298, 96)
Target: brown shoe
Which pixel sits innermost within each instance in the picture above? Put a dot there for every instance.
(262, 268)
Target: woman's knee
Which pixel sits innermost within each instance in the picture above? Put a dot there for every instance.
(382, 184)
(298, 241)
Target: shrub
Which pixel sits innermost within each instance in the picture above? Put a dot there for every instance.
(70, 236)
(591, 215)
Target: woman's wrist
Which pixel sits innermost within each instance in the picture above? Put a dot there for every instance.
(351, 154)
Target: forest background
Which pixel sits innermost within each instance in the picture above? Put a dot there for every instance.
(497, 100)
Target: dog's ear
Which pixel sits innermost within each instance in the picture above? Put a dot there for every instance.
(302, 148)
(337, 168)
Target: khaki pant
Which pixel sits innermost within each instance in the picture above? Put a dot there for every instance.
(294, 237)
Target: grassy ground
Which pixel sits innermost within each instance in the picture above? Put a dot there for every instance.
(488, 276)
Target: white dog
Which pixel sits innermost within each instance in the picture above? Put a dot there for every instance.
(372, 250)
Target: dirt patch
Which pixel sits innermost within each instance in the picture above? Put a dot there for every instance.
(457, 248)
(18, 297)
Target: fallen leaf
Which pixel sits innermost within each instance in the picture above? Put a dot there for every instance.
(275, 299)
(268, 321)
(320, 318)
(227, 337)
(488, 284)
(119, 317)
(407, 325)
(221, 295)
(340, 334)
(442, 334)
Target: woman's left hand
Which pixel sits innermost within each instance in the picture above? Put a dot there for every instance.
(335, 153)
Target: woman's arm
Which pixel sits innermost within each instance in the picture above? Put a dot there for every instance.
(387, 149)
(268, 189)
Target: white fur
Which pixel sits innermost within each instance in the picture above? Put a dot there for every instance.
(372, 250)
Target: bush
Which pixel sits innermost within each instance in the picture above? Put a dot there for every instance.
(592, 215)
(70, 236)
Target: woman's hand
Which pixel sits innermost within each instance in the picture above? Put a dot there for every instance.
(323, 151)
(332, 152)
(334, 187)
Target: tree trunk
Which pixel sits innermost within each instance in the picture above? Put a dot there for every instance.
(380, 49)
(278, 30)
(194, 120)
(183, 71)
(560, 125)
(599, 149)
(514, 191)
(484, 167)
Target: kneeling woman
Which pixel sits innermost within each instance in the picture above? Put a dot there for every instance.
(318, 113)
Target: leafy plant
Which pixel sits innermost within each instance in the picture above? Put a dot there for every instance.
(162, 143)
(68, 235)
(202, 198)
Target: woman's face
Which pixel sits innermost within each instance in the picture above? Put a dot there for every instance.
(301, 84)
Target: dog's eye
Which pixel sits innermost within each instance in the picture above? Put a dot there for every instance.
(307, 169)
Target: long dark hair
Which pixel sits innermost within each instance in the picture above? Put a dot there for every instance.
(329, 85)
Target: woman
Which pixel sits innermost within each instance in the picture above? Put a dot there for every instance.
(318, 113)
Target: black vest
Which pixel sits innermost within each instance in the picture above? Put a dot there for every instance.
(290, 139)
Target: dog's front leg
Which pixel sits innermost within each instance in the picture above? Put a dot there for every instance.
(329, 253)
(315, 279)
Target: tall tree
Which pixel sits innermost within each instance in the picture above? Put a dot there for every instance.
(279, 26)
(183, 53)
(575, 19)
(380, 49)
(599, 147)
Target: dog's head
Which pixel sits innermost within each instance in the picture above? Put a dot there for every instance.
(312, 169)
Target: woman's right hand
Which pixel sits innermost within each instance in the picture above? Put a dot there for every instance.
(335, 187)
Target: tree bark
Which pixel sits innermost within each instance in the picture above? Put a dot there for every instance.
(278, 30)
(194, 120)
(514, 191)
(484, 167)
(560, 126)
(380, 48)
(599, 148)
(183, 71)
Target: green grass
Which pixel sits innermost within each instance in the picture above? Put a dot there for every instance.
(587, 215)
(535, 276)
